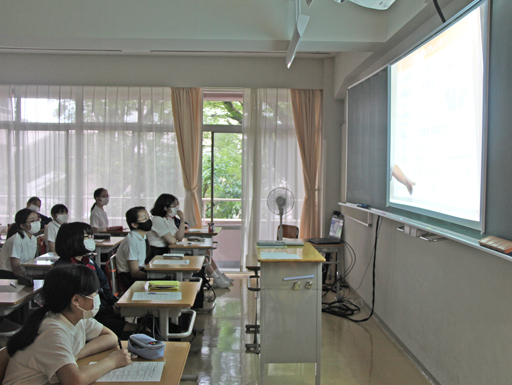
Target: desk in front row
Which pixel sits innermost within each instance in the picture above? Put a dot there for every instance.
(161, 309)
(158, 270)
(11, 301)
(291, 307)
(175, 357)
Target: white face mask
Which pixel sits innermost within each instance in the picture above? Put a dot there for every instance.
(174, 210)
(90, 244)
(96, 307)
(62, 218)
(34, 208)
(35, 227)
(104, 201)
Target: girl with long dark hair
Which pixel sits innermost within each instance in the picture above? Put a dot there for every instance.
(56, 335)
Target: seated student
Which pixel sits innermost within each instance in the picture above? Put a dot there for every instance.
(60, 216)
(132, 251)
(164, 234)
(34, 204)
(21, 244)
(56, 335)
(99, 219)
(75, 245)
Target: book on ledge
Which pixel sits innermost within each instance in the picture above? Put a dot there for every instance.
(497, 244)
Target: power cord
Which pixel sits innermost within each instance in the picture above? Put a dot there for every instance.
(345, 306)
(438, 9)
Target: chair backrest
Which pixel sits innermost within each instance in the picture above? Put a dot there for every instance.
(112, 276)
(41, 245)
(4, 361)
(289, 231)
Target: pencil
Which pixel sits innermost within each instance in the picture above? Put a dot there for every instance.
(120, 346)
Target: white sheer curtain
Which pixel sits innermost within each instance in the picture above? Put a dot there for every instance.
(60, 143)
(271, 159)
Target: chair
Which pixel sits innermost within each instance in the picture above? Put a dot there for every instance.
(289, 231)
(41, 245)
(4, 361)
(113, 277)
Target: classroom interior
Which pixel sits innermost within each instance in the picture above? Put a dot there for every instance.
(444, 305)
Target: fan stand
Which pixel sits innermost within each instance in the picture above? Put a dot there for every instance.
(280, 230)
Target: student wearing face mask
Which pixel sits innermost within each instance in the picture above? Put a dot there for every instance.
(61, 332)
(133, 250)
(21, 244)
(75, 246)
(34, 204)
(60, 216)
(165, 233)
(99, 219)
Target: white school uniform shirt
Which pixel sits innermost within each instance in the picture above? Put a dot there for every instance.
(23, 249)
(161, 226)
(58, 344)
(50, 232)
(99, 218)
(132, 248)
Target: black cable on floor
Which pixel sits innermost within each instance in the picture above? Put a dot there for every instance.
(439, 12)
(343, 307)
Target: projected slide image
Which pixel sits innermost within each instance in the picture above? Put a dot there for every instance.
(436, 123)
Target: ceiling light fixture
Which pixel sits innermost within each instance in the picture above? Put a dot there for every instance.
(373, 4)
(300, 27)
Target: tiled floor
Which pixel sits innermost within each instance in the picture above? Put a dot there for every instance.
(352, 354)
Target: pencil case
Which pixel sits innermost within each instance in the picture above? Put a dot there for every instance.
(155, 285)
(146, 347)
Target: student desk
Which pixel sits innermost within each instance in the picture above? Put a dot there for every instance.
(104, 246)
(175, 357)
(161, 309)
(203, 232)
(119, 233)
(39, 266)
(291, 306)
(11, 301)
(158, 270)
(197, 248)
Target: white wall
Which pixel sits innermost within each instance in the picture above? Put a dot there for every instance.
(449, 304)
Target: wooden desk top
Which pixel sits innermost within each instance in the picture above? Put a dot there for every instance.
(13, 299)
(195, 264)
(113, 241)
(307, 253)
(188, 296)
(203, 232)
(206, 244)
(175, 357)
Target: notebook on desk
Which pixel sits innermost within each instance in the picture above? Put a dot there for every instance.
(335, 232)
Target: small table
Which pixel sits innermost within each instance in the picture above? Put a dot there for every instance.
(104, 246)
(159, 270)
(197, 248)
(161, 309)
(175, 357)
(11, 301)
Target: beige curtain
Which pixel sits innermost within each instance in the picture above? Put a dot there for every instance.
(307, 115)
(187, 111)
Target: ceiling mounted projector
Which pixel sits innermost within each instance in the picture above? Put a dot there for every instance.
(373, 4)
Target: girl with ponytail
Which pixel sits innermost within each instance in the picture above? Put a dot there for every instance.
(45, 350)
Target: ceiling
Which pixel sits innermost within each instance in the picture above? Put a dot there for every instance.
(198, 27)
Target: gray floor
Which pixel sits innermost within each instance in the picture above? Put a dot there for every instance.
(352, 354)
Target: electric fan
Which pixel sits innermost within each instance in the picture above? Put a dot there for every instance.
(280, 201)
